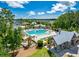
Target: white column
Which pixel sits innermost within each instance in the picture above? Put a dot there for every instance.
(78, 49)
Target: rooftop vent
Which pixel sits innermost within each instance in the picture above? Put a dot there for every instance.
(58, 30)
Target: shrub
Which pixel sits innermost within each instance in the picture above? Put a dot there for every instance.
(51, 54)
(70, 56)
(40, 43)
(45, 42)
(4, 53)
(49, 40)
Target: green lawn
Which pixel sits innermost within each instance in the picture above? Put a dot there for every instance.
(43, 52)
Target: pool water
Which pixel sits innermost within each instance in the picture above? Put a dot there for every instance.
(36, 32)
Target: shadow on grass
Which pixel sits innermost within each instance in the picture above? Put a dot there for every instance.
(51, 54)
(38, 47)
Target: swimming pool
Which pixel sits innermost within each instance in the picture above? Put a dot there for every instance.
(36, 32)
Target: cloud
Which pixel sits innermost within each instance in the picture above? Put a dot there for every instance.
(22, 2)
(46, 16)
(62, 6)
(59, 7)
(0, 8)
(68, 3)
(50, 12)
(16, 4)
(72, 8)
(41, 13)
(31, 13)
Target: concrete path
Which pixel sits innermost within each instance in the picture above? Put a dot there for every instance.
(27, 52)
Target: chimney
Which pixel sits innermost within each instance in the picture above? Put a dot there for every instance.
(59, 30)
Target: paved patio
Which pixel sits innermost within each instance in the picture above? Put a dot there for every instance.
(27, 52)
(72, 50)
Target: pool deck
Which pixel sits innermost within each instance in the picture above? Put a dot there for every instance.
(44, 36)
(49, 33)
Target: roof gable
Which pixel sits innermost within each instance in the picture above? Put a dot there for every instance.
(64, 36)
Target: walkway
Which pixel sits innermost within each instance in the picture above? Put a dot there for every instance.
(27, 52)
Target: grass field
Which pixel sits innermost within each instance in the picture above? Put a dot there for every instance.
(43, 52)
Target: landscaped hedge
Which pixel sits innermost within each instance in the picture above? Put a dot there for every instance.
(40, 43)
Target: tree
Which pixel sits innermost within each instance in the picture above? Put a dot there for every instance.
(68, 21)
(4, 53)
(10, 38)
(40, 43)
(6, 25)
(18, 36)
(16, 40)
(0, 43)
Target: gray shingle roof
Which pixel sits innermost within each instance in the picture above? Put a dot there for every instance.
(63, 37)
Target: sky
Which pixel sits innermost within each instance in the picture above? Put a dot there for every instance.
(39, 9)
